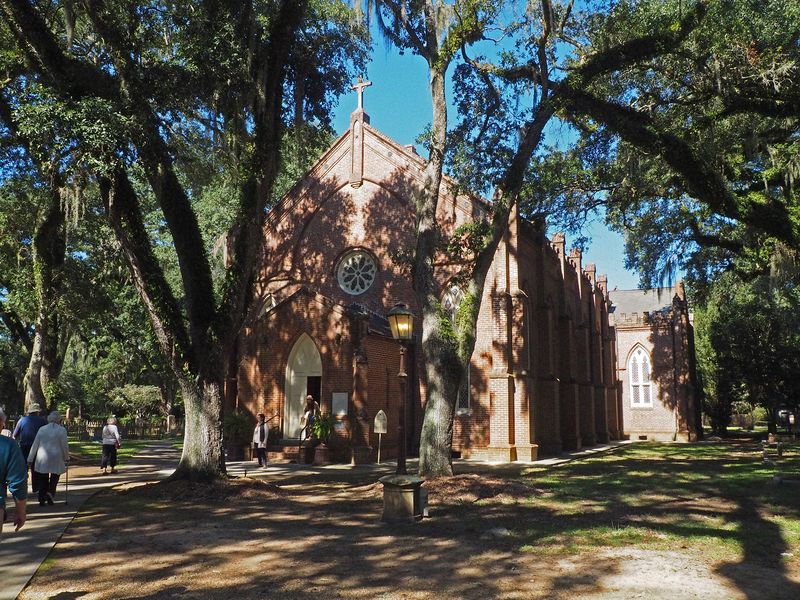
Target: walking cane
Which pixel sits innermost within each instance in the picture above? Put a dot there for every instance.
(66, 488)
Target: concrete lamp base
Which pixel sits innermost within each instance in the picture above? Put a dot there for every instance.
(401, 498)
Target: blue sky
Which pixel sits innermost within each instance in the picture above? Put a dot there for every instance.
(399, 105)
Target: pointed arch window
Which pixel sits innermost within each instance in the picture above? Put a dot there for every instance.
(641, 385)
(451, 300)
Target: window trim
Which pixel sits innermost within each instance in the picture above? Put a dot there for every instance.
(341, 265)
(635, 368)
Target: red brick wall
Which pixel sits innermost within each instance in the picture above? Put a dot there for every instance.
(532, 324)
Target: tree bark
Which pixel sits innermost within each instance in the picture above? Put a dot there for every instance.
(442, 368)
(49, 247)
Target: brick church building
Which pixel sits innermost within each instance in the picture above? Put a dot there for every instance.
(544, 373)
(656, 364)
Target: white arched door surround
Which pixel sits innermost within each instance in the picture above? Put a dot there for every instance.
(639, 376)
(304, 363)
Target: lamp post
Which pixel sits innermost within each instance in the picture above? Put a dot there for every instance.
(401, 322)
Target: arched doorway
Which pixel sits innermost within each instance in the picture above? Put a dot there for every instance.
(303, 376)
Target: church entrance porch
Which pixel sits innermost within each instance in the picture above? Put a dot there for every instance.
(303, 377)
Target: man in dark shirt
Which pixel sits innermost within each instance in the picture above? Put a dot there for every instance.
(25, 433)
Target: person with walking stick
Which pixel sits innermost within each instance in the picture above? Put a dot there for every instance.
(49, 456)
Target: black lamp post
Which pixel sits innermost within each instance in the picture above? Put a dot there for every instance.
(401, 322)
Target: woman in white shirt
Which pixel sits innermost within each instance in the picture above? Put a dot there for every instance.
(111, 441)
(260, 440)
(49, 456)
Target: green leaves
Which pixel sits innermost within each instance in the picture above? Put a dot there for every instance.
(748, 343)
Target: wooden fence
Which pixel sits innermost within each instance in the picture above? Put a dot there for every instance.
(93, 430)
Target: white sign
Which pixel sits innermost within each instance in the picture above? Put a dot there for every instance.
(339, 404)
(381, 422)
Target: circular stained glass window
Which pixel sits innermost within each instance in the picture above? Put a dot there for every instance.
(356, 272)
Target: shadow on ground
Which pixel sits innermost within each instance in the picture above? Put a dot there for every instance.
(669, 521)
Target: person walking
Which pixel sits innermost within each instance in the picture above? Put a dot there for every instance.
(25, 432)
(260, 439)
(111, 441)
(13, 477)
(49, 456)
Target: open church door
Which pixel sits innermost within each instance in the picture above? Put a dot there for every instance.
(303, 373)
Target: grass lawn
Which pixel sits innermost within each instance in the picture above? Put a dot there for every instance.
(719, 500)
(88, 451)
(643, 520)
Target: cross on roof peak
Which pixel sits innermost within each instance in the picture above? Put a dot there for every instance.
(359, 87)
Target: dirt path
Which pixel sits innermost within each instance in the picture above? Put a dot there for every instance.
(22, 553)
(256, 540)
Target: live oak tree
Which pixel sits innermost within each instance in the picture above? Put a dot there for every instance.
(748, 341)
(694, 156)
(695, 149)
(230, 74)
(33, 252)
(506, 99)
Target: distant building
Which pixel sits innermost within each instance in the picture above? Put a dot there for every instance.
(656, 364)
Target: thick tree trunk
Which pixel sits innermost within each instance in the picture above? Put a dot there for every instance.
(203, 458)
(443, 374)
(439, 355)
(198, 369)
(49, 246)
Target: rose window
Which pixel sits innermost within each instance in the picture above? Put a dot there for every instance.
(356, 272)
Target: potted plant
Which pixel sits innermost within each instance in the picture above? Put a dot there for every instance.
(237, 428)
(321, 432)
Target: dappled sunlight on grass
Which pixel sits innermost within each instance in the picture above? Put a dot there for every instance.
(704, 511)
(88, 451)
(708, 499)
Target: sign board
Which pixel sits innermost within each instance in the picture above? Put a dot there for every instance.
(381, 422)
(339, 404)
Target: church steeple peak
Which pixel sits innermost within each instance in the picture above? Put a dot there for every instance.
(357, 119)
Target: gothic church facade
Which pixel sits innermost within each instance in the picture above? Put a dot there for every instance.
(543, 376)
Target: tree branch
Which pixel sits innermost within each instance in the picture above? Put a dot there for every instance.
(641, 48)
(702, 180)
(124, 212)
(73, 78)
(157, 161)
(16, 327)
(258, 189)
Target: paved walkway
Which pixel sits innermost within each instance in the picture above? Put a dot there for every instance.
(23, 552)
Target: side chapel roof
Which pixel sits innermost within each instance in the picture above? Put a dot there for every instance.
(656, 300)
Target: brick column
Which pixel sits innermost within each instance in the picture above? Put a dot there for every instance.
(546, 393)
(568, 387)
(609, 361)
(585, 400)
(501, 380)
(599, 390)
(520, 346)
(360, 449)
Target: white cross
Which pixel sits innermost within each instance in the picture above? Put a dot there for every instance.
(359, 87)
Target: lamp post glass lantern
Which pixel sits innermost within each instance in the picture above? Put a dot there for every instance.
(401, 322)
